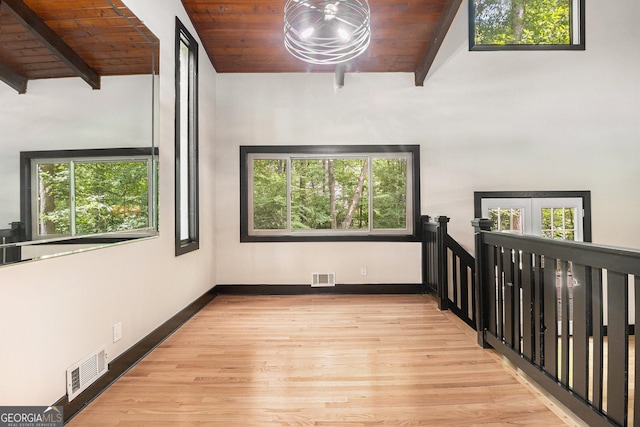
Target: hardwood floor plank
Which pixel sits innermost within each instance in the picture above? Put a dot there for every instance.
(318, 360)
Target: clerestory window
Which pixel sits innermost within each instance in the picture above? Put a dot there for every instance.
(526, 24)
(329, 193)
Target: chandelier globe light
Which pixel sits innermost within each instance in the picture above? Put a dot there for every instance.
(326, 32)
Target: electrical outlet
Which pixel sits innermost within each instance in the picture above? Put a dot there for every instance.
(117, 331)
(363, 271)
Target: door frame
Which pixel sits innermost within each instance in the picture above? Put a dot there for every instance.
(584, 195)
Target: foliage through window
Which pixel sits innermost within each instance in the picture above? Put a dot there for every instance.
(329, 191)
(78, 196)
(507, 219)
(526, 24)
(559, 223)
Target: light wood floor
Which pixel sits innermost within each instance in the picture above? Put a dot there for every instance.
(384, 360)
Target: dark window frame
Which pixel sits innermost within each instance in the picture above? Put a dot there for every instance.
(26, 205)
(245, 151)
(496, 47)
(584, 195)
(191, 243)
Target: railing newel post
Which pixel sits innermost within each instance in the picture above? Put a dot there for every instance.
(480, 225)
(443, 280)
(424, 220)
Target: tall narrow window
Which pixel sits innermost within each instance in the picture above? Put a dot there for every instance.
(186, 150)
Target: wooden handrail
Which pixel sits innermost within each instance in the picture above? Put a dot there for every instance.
(540, 302)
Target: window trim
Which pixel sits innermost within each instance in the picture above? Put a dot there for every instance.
(580, 18)
(330, 150)
(584, 195)
(26, 187)
(192, 242)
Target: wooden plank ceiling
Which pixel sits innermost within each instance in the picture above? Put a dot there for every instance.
(246, 36)
(42, 39)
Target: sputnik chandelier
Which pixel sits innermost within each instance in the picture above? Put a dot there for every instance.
(326, 32)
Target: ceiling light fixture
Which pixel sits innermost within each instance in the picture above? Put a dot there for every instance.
(326, 32)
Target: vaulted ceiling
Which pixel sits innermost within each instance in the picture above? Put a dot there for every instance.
(246, 36)
(92, 38)
(65, 38)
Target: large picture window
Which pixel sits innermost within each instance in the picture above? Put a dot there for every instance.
(186, 140)
(87, 192)
(526, 24)
(329, 193)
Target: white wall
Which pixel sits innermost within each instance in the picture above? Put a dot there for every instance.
(54, 312)
(555, 120)
(66, 114)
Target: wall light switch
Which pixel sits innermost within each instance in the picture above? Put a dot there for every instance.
(117, 331)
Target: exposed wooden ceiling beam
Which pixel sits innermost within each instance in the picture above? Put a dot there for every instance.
(13, 79)
(36, 26)
(442, 27)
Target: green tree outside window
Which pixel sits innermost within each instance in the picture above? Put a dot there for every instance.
(88, 197)
(525, 22)
(351, 193)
